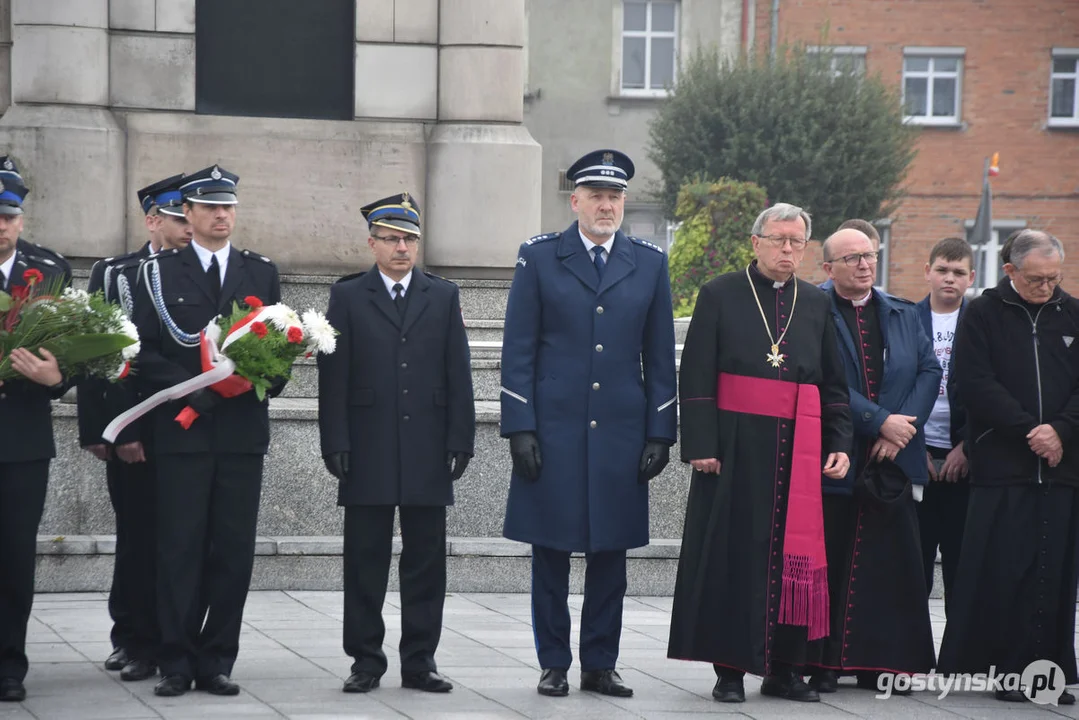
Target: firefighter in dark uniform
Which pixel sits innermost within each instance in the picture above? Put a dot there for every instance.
(9, 172)
(589, 405)
(26, 447)
(398, 423)
(129, 475)
(209, 477)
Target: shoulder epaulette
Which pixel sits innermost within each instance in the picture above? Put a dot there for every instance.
(256, 256)
(115, 259)
(645, 243)
(40, 259)
(49, 251)
(542, 238)
(171, 252)
(902, 300)
(353, 276)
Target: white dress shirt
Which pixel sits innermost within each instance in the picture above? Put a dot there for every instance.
(7, 266)
(206, 257)
(390, 282)
(588, 245)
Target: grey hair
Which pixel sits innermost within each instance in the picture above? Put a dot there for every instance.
(783, 212)
(1030, 241)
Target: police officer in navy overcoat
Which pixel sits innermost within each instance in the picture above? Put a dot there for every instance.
(589, 405)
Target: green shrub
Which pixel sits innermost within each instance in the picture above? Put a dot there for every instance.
(716, 218)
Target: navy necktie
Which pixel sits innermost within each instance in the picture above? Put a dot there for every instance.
(214, 274)
(600, 262)
(399, 299)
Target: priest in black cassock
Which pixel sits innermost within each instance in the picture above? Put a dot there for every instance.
(880, 609)
(764, 409)
(1017, 365)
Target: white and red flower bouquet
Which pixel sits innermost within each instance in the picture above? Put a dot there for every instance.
(89, 336)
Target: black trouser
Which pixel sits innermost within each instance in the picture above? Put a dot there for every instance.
(601, 613)
(368, 551)
(132, 603)
(207, 512)
(942, 515)
(22, 500)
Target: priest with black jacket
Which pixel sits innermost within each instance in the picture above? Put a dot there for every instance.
(764, 413)
(1017, 365)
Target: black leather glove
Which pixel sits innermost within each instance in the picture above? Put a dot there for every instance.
(525, 450)
(203, 401)
(456, 462)
(337, 464)
(276, 387)
(655, 457)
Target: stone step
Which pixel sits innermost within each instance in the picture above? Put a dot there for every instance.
(486, 373)
(83, 563)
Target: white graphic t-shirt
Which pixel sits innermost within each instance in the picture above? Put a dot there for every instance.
(938, 431)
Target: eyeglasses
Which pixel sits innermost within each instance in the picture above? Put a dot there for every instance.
(779, 241)
(855, 259)
(1050, 280)
(410, 240)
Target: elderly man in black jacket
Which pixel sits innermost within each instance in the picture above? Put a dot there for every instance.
(1017, 365)
(398, 425)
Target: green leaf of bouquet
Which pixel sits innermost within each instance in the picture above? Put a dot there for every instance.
(81, 348)
(5, 302)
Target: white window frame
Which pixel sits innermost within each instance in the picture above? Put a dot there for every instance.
(990, 276)
(648, 34)
(1072, 54)
(835, 51)
(884, 229)
(933, 54)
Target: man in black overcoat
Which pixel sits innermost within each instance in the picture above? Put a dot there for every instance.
(398, 424)
(209, 477)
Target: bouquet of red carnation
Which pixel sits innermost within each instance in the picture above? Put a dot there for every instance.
(260, 342)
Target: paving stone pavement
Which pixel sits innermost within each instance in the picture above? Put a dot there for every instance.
(291, 665)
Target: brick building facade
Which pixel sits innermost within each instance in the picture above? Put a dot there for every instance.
(980, 76)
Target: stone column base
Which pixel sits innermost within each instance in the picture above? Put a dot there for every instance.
(483, 196)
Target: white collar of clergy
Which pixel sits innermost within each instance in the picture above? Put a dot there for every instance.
(864, 301)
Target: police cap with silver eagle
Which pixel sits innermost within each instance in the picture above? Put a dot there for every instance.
(397, 212)
(213, 186)
(602, 168)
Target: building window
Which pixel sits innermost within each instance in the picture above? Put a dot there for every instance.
(988, 268)
(275, 58)
(932, 85)
(1064, 88)
(884, 229)
(841, 59)
(649, 46)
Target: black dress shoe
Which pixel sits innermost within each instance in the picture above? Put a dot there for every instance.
(824, 681)
(360, 682)
(118, 660)
(172, 686)
(605, 682)
(729, 690)
(1066, 698)
(12, 690)
(553, 683)
(1015, 696)
(427, 681)
(137, 670)
(218, 685)
(789, 686)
